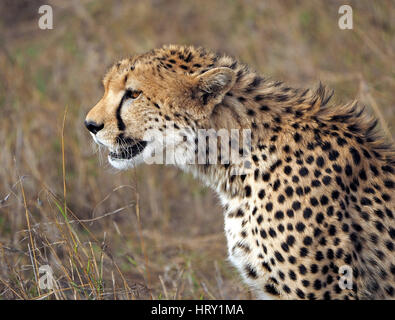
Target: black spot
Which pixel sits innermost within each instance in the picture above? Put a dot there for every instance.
(311, 296)
(278, 256)
(315, 183)
(355, 156)
(255, 82)
(388, 169)
(348, 170)
(366, 202)
(269, 288)
(314, 202)
(340, 141)
(279, 215)
(285, 247)
(286, 289)
(320, 217)
(389, 184)
(248, 191)
(300, 226)
(296, 205)
(266, 176)
(275, 165)
(330, 254)
(299, 191)
(297, 137)
(300, 293)
(335, 195)
(188, 57)
(362, 175)
(307, 241)
(326, 180)
(303, 171)
(240, 213)
(266, 266)
(276, 185)
(390, 291)
(261, 194)
(251, 272)
(320, 162)
(272, 233)
(289, 191)
(290, 240)
(324, 200)
(307, 213)
(319, 256)
(333, 155)
(259, 97)
(302, 269)
(332, 230)
(292, 275)
(326, 146)
(374, 170)
(256, 174)
(317, 284)
(303, 252)
(317, 232)
(287, 170)
(337, 168)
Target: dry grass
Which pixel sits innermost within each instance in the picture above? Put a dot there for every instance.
(154, 232)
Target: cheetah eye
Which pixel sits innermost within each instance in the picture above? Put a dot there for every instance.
(132, 94)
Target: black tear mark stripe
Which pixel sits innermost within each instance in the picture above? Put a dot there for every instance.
(120, 123)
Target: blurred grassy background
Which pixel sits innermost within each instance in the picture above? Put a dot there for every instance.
(153, 232)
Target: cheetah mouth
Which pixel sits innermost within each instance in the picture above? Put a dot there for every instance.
(128, 152)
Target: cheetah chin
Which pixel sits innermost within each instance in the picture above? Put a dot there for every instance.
(129, 156)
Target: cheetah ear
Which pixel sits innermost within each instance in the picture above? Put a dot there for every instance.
(215, 83)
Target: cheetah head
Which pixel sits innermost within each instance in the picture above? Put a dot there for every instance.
(173, 86)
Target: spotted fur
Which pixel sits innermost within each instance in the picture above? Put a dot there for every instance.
(321, 190)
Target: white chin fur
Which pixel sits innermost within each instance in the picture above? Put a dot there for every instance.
(124, 164)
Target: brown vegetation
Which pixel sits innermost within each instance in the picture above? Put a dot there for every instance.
(153, 232)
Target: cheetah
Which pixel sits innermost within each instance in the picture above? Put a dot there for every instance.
(318, 196)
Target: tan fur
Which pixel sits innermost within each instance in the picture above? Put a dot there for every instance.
(291, 130)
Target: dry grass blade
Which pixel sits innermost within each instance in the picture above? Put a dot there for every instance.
(147, 270)
(34, 262)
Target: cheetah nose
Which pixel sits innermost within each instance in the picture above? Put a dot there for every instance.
(93, 127)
